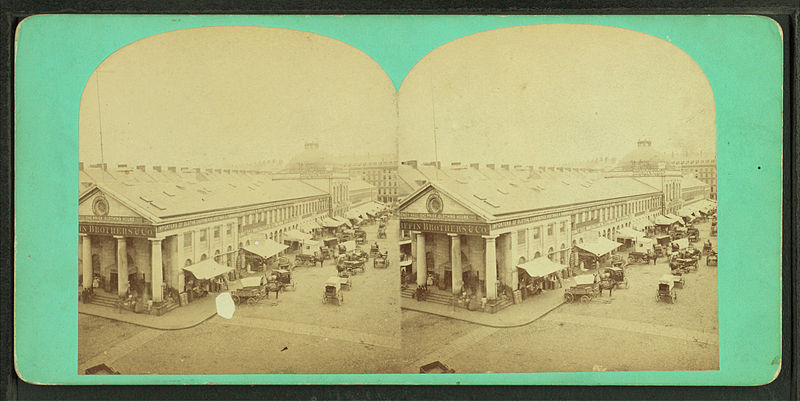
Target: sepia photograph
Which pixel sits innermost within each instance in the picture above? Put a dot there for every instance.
(398, 199)
(558, 205)
(235, 207)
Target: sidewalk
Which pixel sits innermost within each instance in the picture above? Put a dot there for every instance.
(181, 318)
(528, 311)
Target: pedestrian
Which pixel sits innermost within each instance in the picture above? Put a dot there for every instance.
(610, 288)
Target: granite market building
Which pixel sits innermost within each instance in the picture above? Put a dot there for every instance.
(486, 227)
(155, 228)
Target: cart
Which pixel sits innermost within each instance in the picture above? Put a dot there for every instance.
(284, 264)
(638, 257)
(344, 282)
(381, 260)
(382, 231)
(284, 279)
(678, 280)
(353, 266)
(325, 253)
(435, 367)
(693, 234)
(617, 261)
(584, 289)
(707, 249)
(332, 292)
(249, 295)
(666, 289)
(614, 277)
(678, 264)
(305, 260)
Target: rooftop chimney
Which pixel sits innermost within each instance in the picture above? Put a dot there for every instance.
(412, 163)
(122, 166)
(455, 164)
(504, 166)
(172, 169)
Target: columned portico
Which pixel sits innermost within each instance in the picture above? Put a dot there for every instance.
(87, 261)
(491, 267)
(122, 265)
(157, 276)
(455, 263)
(422, 268)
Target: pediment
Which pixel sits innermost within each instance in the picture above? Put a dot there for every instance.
(433, 204)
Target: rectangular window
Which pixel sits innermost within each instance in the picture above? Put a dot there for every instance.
(187, 239)
(203, 234)
(229, 229)
(521, 237)
(536, 233)
(549, 230)
(216, 232)
(563, 227)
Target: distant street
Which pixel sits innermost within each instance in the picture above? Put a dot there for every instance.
(295, 333)
(628, 331)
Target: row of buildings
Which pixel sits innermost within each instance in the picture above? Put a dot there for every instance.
(145, 224)
(478, 223)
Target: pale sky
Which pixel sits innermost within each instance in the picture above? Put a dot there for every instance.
(542, 94)
(547, 94)
(223, 96)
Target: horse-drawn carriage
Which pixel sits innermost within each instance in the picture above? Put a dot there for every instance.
(332, 291)
(617, 261)
(693, 234)
(374, 250)
(666, 289)
(682, 263)
(662, 245)
(283, 279)
(584, 289)
(283, 263)
(381, 260)
(638, 257)
(711, 259)
(360, 236)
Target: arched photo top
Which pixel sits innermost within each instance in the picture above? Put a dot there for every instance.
(225, 95)
(554, 93)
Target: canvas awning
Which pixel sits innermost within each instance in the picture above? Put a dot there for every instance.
(682, 243)
(344, 221)
(584, 279)
(675, 218)
(349, 245)
(641, 223)
(331, 223)
(405, 262)
(311, 244)
(541, 267)
(309, 226)
(265, 248)
(629, 233)
(600, 246)
(296, 236)
(207, 269)
(644, 244)
(663, 221)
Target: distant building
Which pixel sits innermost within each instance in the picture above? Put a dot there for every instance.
(378, 170)
(652, 167)
(702, 167)
(318, 168)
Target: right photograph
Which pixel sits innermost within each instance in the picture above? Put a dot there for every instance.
(557, 204)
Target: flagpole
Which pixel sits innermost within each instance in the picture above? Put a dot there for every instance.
(100, 126)
(435, 138)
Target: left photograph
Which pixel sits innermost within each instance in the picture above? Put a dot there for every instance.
(237, 203)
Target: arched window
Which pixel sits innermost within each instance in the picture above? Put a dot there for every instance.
(537, 254)
(203, 257)
(187, 263)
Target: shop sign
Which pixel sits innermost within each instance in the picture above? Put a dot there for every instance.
(440, 216)
(123, 230)
(445, 227)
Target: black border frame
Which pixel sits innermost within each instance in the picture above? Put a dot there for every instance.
(785, 12)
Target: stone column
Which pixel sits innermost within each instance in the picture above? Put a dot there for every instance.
(422, 268)
(156, 269)
(455, 263)
(180, 260)
(87, 262)
(491, 267)
(122, 265)
(195, 246)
